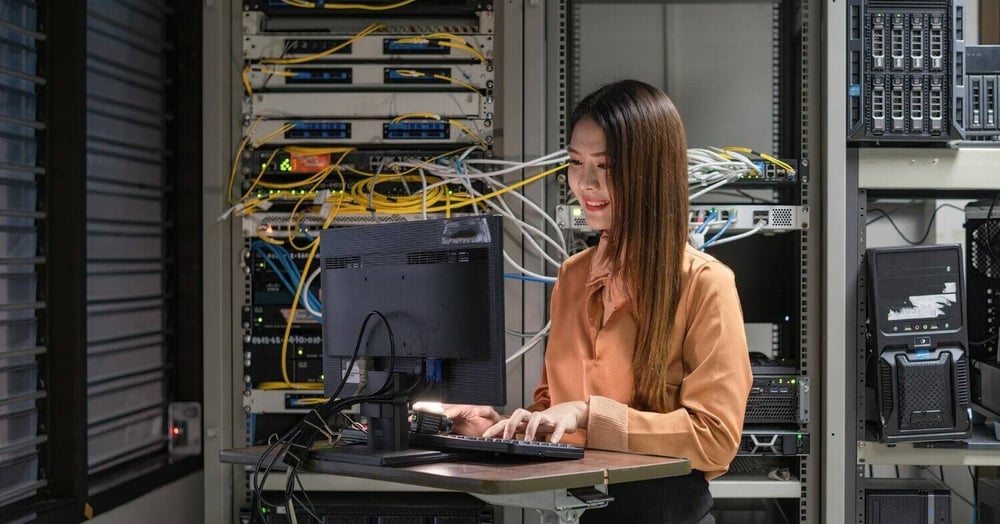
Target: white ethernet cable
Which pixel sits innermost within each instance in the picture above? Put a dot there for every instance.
(532, 342)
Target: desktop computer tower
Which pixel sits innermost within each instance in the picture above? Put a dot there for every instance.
(918, 368)
(909, 501)
(982, 278)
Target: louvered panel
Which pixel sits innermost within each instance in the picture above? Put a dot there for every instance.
(124, 286)
(19, 260)
(106, 360)
(126, 259)
(116, 167)
(144, 209)
(115, 247)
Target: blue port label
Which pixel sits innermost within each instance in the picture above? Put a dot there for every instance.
(319, 130)
(416, 131)
(319, 75)
(403, 46)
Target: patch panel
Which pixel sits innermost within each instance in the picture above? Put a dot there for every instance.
(307, 76)
(770, 219)
(437, 7)
(774, 219)
(343, 76)
(377, 131)
(310, 221)
(381, 47)
(408, 46)
(450, 103)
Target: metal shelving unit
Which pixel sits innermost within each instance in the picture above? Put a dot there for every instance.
(793, 131)
(852, 172)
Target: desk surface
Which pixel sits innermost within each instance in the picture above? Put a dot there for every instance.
(494, 477)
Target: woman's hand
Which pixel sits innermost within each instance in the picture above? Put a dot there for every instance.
(467, 419)
(555, 421)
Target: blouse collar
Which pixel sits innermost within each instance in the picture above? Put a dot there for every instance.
(603, 275)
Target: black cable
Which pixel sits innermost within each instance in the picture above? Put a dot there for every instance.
(975, 492)
(892, 222)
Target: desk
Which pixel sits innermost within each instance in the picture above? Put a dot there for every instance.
(559, 490)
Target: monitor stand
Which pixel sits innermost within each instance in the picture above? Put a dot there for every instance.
(388, 440)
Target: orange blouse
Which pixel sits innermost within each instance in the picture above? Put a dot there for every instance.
(589, 357)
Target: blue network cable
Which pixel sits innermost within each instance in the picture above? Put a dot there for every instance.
(526, 278)
(708, 220)
(719, 234)
(288, 273)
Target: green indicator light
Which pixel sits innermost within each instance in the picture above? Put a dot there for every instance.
(577, 211)
(322, 377)
(799, 436)
(301, 352)
(286, 165)
(260, 320)
(792, 381)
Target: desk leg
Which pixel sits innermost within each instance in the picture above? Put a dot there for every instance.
(557, 506)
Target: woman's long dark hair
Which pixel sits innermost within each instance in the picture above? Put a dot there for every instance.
(647, 179)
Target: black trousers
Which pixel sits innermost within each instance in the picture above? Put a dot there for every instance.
(671, 500)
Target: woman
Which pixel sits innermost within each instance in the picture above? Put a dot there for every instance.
(647, 351)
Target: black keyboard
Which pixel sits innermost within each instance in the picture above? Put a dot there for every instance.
(502, 446)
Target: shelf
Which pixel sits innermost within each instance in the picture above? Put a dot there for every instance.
(741, 487)
(971, 168)
(878, 454)
(324, 482)
(728, 487)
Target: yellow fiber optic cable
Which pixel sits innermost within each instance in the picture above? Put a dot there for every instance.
(400, 118)
(267, 138)
(363, 7)
(236, 159)
(309, 58)
(765, 156)
(507, 189)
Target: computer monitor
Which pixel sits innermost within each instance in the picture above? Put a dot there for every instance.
(437, 286)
